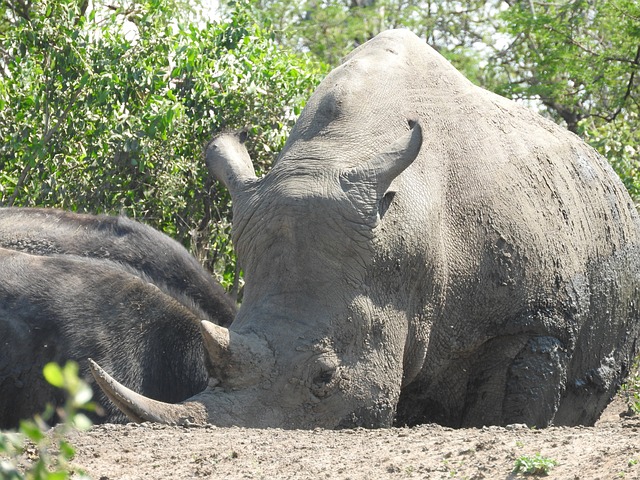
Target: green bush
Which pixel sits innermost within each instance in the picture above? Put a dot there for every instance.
(53, 452)
(108, 111)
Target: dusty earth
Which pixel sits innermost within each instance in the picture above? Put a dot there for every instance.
(610, 450)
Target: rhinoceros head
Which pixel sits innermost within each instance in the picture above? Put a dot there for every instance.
(319, 340)
(308, 347)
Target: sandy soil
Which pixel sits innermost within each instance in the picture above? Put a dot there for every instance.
(610, 450)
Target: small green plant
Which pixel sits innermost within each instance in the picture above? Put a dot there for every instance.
(534, 465)
(631, 388)
(52, 452)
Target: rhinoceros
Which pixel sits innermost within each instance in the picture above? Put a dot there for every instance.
(66, 307)
(421, 251)
(48, 231)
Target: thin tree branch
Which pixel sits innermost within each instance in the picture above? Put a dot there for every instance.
(45, 139)
(591, 52)
(627, 94)
(20, 8)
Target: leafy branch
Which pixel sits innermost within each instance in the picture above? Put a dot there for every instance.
(53, 452)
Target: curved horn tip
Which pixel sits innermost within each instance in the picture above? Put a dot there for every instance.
(139, 408)
(114, 391)
(415, 126)
(99, 374)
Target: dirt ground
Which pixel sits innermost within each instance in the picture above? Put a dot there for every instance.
(610, 450)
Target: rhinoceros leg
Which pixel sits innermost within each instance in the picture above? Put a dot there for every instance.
(535, 382)
(604, 348)
(515, 379)
(488, 371)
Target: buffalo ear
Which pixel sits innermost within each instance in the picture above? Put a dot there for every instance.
(370, 185)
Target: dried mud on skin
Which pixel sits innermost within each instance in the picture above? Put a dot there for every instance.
(611, 450)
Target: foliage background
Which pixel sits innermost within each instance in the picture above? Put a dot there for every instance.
(107, 110)
(105, 106)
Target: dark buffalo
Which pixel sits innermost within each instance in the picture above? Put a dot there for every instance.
(61, 307)
(44, 231)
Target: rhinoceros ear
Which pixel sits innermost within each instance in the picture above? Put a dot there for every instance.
(368, 183)
(228, 161)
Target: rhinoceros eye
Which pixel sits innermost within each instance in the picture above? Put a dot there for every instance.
(325, 376)
(324, 383)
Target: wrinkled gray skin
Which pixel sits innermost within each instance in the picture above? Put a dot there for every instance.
(57, 308)
(480, 268)
(47, 231)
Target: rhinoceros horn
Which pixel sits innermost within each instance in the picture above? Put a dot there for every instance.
(140, 409)
(236, 361)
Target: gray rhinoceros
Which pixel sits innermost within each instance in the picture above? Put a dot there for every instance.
(485, 271)
(49, 231)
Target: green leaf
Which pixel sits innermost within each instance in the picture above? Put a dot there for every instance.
(70, 377)
(83, 394)
(53, 374)
(9, 471)
(66, 449)
(82, 422)
(31, 431)
(11, 442)
(57, 475)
